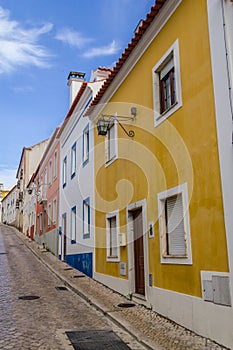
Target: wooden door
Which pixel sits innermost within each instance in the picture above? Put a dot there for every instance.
(138, 252)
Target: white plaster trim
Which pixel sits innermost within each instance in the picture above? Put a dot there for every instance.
(204, 318)
(120, 285)
(223, 119)
(183, 189)
(158, 117)
(109, 216)
(115, 157)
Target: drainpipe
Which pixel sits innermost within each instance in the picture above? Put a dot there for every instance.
(227, 58)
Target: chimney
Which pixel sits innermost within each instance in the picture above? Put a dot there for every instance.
(101, 73)
(75, 80)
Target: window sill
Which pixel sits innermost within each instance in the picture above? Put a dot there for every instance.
(175, 256)
(113, 259)
(176, 260)
(85, 162)
(160, 117)
(110, 161)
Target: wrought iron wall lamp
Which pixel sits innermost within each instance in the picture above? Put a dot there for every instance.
(106, 120)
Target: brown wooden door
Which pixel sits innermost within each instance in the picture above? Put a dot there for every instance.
(64, 238)
(138, 252)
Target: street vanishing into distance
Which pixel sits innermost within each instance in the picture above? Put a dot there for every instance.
(50, 309)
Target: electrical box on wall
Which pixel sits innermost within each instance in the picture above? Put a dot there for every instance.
(122, 239)
(216, 289)
(123, 268)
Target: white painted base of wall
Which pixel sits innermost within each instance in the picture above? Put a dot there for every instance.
(204, 318)
(120, 285)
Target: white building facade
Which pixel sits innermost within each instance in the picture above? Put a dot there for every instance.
(9, 205)
(76, 213)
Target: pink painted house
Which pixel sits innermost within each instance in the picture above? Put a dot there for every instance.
(44, 191)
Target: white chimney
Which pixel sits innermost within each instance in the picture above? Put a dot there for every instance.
(75, 80)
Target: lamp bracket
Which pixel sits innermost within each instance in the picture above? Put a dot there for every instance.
(120, 118)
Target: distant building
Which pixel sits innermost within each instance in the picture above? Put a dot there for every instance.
(41, 214)
(3, 193)
(29, 161)
(9, 205)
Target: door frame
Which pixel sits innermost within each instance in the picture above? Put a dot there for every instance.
(130, 239)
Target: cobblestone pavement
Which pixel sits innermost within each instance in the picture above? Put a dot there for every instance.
(150, 329)
(41, 323)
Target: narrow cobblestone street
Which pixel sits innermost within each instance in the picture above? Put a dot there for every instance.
(81, 304)
(40, 323)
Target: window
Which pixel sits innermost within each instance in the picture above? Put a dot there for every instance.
(86, 218)
(73, 161)
(50, 172)
(55, 165)
(85, 145)
(49, 215)
(64, 172)
(175, 245)
(111, 144)
(40, 222)
(112, 234)
(54, 211)
(73, 225)
(45, 184)
(166, 84)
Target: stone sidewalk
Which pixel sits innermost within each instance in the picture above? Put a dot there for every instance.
(149, 328)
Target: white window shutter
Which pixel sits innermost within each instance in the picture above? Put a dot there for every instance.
(113, 236)
(106, 148)
(112, 142)
(175, 226)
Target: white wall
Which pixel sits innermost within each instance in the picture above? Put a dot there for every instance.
(81, 186)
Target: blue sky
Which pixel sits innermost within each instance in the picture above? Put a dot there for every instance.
(41, 41)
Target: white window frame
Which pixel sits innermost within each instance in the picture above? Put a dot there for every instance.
(86, 145)
(50, 172)
(73, 224)
(173, 51)
(172, 259)
(110, 158)
(45, 184)
(40, 222)
(73, 160)
(109, 216)
(64, 172)
(49, 215)
(55, 165)
(86, 218)
(54, 211)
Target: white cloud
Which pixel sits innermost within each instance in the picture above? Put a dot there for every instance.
(108, 50)
(72, 38)
(22, 89)
(18, 46)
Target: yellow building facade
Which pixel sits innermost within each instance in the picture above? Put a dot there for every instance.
(161, 232)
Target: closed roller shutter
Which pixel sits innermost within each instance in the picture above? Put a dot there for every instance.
(175, 226)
